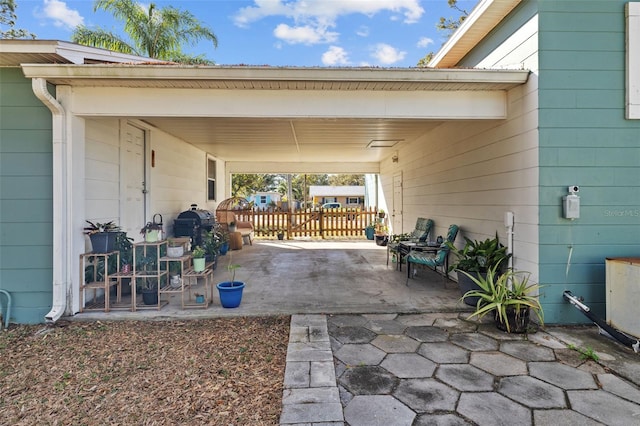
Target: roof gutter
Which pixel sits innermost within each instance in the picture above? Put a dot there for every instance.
(60, 182)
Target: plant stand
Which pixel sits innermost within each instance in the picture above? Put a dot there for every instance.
(98, 264)
(118, 277)
(156, 249)
(207, 275)
(167, 288)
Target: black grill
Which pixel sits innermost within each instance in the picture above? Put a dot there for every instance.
(193, 223)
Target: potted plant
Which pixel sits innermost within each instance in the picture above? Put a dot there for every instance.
(280, 233)
(102, 236)
(230, 292)
(151, 231)
(124, 244)
(508, 296)
(370, 231)
(211, 243)
(198, 259)
(476, 258)
(223, 238)
(381, 213)
(149, 286)
(175, 248)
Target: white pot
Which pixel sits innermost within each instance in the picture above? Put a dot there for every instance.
(176, 282)
(175, 251)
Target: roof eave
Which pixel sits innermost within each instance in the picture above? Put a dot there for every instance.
(483, 18)
(61, 52)
(119, 74)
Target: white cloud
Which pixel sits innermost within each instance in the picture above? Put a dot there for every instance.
(319, 16)
(335, 56)
(424, 42)
(386, 54)
(61, 15)
(363, 31)
(304, 34)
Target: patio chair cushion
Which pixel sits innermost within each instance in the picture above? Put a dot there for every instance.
(440, 259)
(420, 233)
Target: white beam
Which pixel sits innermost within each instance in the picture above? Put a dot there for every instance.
(142, 102)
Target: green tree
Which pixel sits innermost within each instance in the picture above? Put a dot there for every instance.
(8, 18)
(448, 25)
(344, 180)
(244, 185)
(156, 33)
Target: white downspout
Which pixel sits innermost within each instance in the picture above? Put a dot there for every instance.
(61, 244)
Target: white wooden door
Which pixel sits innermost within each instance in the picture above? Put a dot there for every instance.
(132, 175)
(396, 214)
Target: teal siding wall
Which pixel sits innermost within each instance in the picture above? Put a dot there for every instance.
(26, 228)
(585, 141)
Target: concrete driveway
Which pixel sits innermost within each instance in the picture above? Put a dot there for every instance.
(328, 277)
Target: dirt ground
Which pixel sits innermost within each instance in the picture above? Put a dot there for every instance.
(225, 371)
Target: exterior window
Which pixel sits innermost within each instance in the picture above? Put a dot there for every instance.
(263, 199)
(353, 200)
(211, 180)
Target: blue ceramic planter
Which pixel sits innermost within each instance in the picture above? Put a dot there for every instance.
(230, 293)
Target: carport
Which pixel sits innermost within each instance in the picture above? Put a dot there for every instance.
(250, 120)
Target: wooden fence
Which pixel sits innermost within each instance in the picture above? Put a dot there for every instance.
(322, 223)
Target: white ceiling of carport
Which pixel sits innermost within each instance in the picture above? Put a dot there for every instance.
(283, 140)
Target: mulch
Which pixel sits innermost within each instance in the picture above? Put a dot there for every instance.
(223, 371)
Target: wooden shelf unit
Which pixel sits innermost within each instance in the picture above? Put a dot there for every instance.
(98, 263)
(157, 250)
(207, 276)
(167, 288)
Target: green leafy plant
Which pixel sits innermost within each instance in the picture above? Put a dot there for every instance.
(499, 294)
(198, 252)
(211, 242)
(96, 227)
(124, 244)
(151, 226)
(231, 268)
(396, 238)
(586, 353)
(479, 256)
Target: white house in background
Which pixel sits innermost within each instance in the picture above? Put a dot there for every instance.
(348, 195)
(265, 199)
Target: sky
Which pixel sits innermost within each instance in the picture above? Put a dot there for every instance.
(306, 33)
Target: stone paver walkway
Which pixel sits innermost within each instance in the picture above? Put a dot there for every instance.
(419, 369)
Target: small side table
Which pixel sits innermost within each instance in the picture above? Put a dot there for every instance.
(235, 240)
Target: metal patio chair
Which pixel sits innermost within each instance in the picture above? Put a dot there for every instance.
(419, 234)
(441, 257)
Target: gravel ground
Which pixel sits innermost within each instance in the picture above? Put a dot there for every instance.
(225, 371)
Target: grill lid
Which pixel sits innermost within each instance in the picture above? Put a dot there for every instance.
(201, 216)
